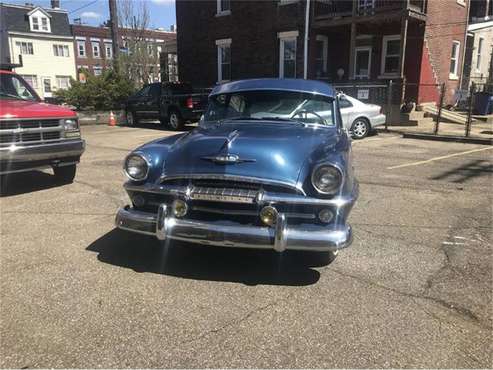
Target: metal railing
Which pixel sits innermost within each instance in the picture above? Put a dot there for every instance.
(344, 8)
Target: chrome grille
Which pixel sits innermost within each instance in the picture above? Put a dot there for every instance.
(223, 194)
(29, 131)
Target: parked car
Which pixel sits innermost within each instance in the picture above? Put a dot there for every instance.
(248, 176)
(358, 117)
(34, 134)
(171, 103)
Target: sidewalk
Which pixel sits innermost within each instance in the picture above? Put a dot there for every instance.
(479, 130)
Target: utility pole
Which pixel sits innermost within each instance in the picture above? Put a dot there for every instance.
(115, 33)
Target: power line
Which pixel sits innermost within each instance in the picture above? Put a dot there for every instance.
(82, 7)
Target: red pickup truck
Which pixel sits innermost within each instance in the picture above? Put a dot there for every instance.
(34, 134)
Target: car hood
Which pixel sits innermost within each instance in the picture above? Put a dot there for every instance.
(270, 151)
(10, 108)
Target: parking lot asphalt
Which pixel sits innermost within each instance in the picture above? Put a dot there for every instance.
(414, 289)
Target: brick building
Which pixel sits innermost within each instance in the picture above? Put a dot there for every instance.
(420, 42)
(93, 47)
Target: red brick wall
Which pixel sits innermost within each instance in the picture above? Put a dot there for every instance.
(253, 28)
(446, 22)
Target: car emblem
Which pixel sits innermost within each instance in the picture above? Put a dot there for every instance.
(227, 159)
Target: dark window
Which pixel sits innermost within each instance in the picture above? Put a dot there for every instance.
(344, 103)
(155, 90)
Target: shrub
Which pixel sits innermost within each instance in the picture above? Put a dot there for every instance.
(106, 91)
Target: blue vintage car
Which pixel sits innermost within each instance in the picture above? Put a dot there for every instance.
(268, 167)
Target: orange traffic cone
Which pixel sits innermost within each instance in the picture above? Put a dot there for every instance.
(112, 119)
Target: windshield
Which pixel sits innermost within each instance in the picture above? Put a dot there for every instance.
(272, 105)
(14, 87)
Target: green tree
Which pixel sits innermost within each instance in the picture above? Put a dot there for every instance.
(106, 91)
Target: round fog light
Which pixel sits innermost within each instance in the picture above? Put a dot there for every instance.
(268, 215)
(138, 201)
(180, 208)
(325, 215)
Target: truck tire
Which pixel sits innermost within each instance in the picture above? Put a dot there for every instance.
(175, 121)
(65, 174)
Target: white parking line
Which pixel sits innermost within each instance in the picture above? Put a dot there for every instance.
(439, 158)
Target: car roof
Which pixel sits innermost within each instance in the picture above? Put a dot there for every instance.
(285, 84)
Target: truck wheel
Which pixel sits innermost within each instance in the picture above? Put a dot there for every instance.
(65, 174)
(132, 119)
(175, 122)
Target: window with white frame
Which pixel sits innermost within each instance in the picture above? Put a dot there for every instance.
(63, 82)
(391, 55)
(60, 51)
(287, 54)
(362, 62)
(223, 60)
(97, 70)
(150, 49)
(81, 48)
(480, 51)
(32, 80)
(96, 52)
(108, 50)
(39, 21)
(25, 48)
(322, 43)
(454, 60)
(223, 7)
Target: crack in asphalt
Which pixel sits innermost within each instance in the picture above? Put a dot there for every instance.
(462, 311)
(239, 320)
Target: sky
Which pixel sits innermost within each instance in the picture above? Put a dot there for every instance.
(95, 12)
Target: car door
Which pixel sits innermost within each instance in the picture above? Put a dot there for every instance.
(136, 103)
(346, 108)
(152, 101)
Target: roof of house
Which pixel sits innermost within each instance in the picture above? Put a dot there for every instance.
(17, 20)
(286, 84)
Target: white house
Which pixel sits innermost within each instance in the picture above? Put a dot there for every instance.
(43, 38)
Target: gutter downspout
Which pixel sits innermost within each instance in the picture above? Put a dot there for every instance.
(464, 47)
(307, 25)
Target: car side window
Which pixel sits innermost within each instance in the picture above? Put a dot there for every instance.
(155, 90)
(344, 103)
(144, 91)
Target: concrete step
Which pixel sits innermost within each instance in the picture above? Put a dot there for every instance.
(446, 115)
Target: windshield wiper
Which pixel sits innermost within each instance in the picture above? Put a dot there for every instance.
(283, 120)
(12, 96)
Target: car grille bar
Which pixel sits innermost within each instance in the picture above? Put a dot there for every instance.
(224, 194)
(30, 131)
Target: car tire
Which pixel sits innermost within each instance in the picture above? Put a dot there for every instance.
(360, 128)
(65, 174)
(175, 121)
(131, 118)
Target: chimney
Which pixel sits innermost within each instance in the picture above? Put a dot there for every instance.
(172, 28)
(55, 4)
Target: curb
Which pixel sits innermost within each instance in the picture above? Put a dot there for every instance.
(457, 139)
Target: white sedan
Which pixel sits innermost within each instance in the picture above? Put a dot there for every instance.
(360, 118)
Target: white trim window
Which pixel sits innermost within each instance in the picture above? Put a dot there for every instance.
(108, 50)
(391, 55)
(478, 54)
(454, 60)
(81, 48)
(223, 60)
(25, 48)
(60, 51)
(96, 51)
(40, 24)
(63, 82)
(223, 7)
(362, 62)
(322, 50)
(97, 70)
(32, 80)
(287, 54)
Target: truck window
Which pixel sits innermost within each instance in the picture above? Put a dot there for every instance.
(155, 90)
(180, 89)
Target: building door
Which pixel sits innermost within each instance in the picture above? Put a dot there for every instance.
(47, 92)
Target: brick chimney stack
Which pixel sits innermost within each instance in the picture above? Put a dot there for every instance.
(55, 4)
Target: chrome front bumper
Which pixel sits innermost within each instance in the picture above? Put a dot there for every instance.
(231, 234)
(66, 148)
(16, 158)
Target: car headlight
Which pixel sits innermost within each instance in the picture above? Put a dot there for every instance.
(70, 124)
(326, 179)
(136, 167)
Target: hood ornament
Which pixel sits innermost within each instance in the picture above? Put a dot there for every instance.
(227, 159)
